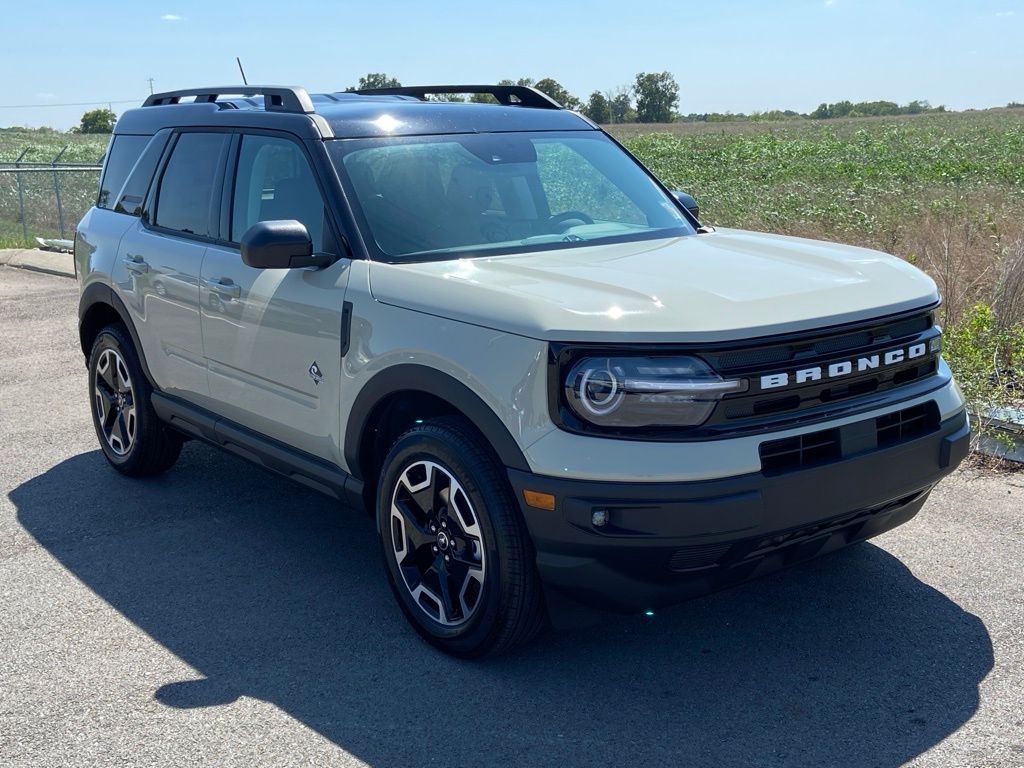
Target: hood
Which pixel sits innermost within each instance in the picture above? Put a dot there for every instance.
(721, 286)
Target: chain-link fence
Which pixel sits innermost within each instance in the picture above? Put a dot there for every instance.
(44, 200)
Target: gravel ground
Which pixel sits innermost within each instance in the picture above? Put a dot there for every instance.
(219, 615)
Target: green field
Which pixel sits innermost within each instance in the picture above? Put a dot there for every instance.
(944, 191)
(883, 183)
(43, 146)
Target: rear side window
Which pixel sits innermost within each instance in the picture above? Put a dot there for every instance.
(124, 151)
(134, 190)
(188, 198)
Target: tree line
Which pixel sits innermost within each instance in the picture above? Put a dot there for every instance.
(823, 112)
(654, 98)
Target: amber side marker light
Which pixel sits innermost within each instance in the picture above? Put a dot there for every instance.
(540, 500)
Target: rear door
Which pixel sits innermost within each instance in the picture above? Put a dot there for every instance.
(159, 259)
(272, 338)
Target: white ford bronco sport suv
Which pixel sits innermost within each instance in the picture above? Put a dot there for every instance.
(493, 327)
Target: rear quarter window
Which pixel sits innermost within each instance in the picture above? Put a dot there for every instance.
(121, 158)
(133, 193)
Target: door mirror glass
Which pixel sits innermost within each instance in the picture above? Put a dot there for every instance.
(281, 244)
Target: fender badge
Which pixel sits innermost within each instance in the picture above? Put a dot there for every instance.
(315, 373)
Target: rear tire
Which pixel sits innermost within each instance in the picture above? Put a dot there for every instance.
(132, 437)
(458, 556)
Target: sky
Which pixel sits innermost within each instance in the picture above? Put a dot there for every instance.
(727, 55)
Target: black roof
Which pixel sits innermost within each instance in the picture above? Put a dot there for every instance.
(383, 112)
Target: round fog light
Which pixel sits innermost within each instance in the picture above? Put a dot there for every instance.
(599, 518)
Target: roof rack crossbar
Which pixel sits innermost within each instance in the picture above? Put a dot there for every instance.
(508, 95)
(276, 98)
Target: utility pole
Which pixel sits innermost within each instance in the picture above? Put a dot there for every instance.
(150, 85)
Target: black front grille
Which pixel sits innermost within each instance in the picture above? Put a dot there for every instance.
(766, 354)
(745, 358)
(909, 327)
(843, 343)
(827, 445)
(773, 407)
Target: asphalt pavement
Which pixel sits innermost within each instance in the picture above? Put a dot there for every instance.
(219, 615)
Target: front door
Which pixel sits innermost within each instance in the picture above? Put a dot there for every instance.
(272, 337)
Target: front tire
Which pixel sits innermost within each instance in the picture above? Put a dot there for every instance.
(459, 559)
(132, 437)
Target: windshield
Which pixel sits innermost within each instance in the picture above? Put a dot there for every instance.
(431, 196)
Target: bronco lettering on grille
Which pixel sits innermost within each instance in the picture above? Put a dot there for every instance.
(843, 367)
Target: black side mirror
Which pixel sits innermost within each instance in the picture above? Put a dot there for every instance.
(281, 244)
(687, 202)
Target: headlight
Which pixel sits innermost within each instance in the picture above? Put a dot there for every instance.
(645, 391)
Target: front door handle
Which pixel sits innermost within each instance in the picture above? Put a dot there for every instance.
(224, 286)
(136, 264)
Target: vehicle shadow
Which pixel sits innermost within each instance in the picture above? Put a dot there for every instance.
(271, 591)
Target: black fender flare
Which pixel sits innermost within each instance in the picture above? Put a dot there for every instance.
(102, 294)
(411, 377)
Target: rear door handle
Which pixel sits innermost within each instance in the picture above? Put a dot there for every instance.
(224, 286)
(136, 264)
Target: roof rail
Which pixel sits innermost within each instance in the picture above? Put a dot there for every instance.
(518, 95)
(276, 98)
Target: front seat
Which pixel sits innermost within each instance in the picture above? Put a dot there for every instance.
(404, 214)
(470, 194)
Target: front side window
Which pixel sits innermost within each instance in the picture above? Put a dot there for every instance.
(274, 181)
(435, 196)
(186, 199)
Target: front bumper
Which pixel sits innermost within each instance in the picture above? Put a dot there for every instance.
(665, 542)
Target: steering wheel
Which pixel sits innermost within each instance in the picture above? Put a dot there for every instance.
(561, 218)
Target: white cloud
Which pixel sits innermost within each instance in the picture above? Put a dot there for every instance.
(171, 17)
(46, 96)
(1005, 14)
(829, 3)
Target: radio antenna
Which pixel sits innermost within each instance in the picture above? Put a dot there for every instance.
(244, 81)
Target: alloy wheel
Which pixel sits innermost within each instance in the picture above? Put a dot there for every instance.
(437, 543)
(115, 402)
